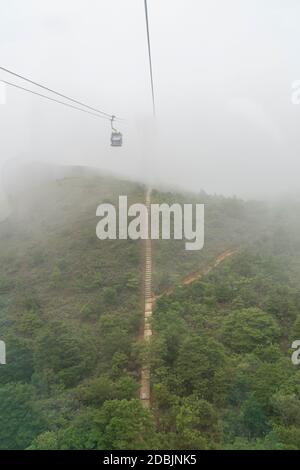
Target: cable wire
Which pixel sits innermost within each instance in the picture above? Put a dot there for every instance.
(149, 53)
(55, 92)
(53, 99)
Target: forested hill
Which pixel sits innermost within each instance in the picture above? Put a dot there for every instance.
(221, 354)
(71, 311)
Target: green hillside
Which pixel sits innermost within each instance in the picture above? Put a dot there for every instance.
(71, 312)
(222, 374)
(71, 308)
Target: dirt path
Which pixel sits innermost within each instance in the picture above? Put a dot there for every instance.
(199, 274)
(147, 332)
(194, 276)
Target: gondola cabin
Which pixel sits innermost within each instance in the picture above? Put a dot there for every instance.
(116, 139)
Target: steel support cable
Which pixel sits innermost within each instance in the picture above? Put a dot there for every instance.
(55, 92)
(53, 99)
(149, 54)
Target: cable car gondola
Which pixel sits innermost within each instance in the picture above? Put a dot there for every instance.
(116, 136)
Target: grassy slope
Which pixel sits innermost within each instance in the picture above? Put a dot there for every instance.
(49, 250)
(230, 223)
(71, 305)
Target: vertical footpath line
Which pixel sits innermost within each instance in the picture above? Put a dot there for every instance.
(145, 372)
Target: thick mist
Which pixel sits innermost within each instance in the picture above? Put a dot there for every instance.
(223, 73)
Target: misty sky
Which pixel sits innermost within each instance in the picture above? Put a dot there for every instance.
(222, 69)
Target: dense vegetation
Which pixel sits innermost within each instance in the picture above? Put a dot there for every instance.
(221, 360)
(71, 311)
